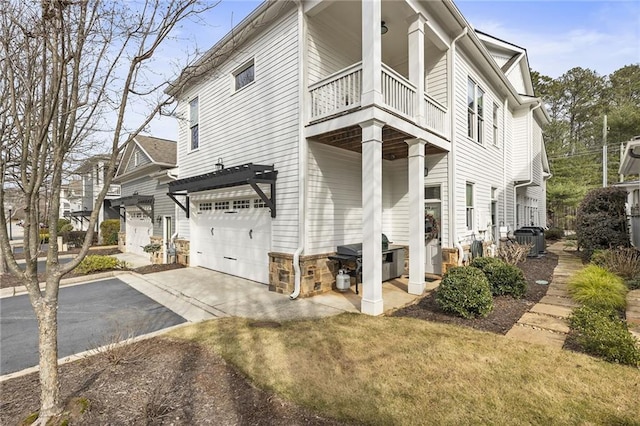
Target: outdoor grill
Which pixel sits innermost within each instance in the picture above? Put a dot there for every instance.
(349, 257)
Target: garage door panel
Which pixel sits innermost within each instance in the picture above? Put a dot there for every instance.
(138, 232)
(235, 242)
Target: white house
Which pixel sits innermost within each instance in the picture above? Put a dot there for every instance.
(315, 124)
(629, 166)
(78, 197)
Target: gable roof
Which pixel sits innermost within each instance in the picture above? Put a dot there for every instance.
(160, 152)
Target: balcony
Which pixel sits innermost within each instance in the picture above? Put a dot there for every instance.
(114, 191)
(341, 93)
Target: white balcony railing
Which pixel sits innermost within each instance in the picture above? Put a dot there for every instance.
(435, 115)
(114, 191)
(398, 93)
(341, 92)
(337, 93)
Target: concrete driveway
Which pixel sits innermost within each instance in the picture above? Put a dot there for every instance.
(89, 316)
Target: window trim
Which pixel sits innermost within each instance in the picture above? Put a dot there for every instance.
(496, 129)
(250, 64)
(475, 112)
(194, 126)
(469, 207)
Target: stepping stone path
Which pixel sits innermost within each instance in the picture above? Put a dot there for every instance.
(546, 322)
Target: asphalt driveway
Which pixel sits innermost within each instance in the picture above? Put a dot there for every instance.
(89, 315)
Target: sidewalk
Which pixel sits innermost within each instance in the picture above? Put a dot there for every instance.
(546, 322)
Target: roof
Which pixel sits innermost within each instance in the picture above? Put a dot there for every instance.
(630, 164)
(88, 164)
(159, 150)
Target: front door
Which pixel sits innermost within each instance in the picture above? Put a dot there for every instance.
(433, 215)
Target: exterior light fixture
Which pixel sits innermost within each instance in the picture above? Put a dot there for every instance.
(383, 28)
(219, 164)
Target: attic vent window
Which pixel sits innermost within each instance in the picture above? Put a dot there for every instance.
(245, 75)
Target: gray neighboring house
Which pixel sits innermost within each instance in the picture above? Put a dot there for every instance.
(147, 213)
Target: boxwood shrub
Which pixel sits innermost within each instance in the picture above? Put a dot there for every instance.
(553, 234)
(603, 334)
(465, 291)
(504, 279)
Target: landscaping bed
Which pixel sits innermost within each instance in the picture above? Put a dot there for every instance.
(506, 310)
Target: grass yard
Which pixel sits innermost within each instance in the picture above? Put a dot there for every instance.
(403, 371)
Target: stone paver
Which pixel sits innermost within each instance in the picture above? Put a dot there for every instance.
(558, 293)
(559, 301)
(544, 321)
(552, 310)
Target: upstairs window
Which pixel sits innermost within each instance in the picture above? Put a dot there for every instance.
(244, 75)
(495, 125)
(193, 124)
(475, 112)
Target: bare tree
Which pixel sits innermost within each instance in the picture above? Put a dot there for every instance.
(69, 72)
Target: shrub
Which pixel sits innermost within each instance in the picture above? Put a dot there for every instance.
(63, 225)
(623, 261)
(601, 221)
(513, 253)
(482, 262)
(44, 236)
(76, 238)
(109, 231)
(506, 279)
(633, 283)
(598, 288)
(554, 234)
(96, 263)
(602, 333)
(465, 291)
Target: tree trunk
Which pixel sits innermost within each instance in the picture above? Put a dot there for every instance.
(47, 314)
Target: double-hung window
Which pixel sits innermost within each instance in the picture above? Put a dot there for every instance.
(495, 125)
(475, 112)
(244, 75)
(469, 204)
(194, 124)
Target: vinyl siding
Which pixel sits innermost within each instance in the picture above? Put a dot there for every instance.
(480, 164)
(522, 149)
(436, 76)
(142, 160)
(517, 80)
(257, 124)
(162, 204)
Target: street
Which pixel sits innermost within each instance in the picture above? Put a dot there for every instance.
(89, 315)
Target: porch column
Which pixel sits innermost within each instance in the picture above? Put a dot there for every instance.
(371, 217)
(417, 249)
(371, 53)
(416, 63)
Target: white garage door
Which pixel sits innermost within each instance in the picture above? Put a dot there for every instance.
(138, 228)
(232, 236)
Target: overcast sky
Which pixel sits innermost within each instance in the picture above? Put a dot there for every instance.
(558, 35)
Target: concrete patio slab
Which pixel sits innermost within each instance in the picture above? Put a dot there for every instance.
(544, 321)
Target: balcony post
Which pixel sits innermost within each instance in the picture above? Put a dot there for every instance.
(372, 303)
(417, 248)
(371, 53)
(416, 63)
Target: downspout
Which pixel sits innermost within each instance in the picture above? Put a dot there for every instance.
(504, 162)
(302, 152)
(530, 181)
(453, 238)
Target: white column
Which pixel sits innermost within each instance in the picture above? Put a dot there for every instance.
(371, 53)
(416, 63)
(417, 248)
(371, 217)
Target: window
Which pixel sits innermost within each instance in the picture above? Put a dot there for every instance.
(136, 159)
(259, 204)
(495, 125)
(475, 112)
(241, 204)
(221, 205)
(432, 192)
(204, 207)
(193, 123)
(245, 75)
(470, 218)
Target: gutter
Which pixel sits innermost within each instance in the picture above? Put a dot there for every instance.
(302, 153)
(453, 238)
(530, 181)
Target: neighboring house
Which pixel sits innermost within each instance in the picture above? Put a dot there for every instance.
(147, 213)
(630, 165)
(368, 118)
(78, 197)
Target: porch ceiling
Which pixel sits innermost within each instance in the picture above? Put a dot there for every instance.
(394, 146)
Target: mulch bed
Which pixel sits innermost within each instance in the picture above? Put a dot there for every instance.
(506, 310)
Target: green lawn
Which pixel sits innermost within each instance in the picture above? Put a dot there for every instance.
(404, 371)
